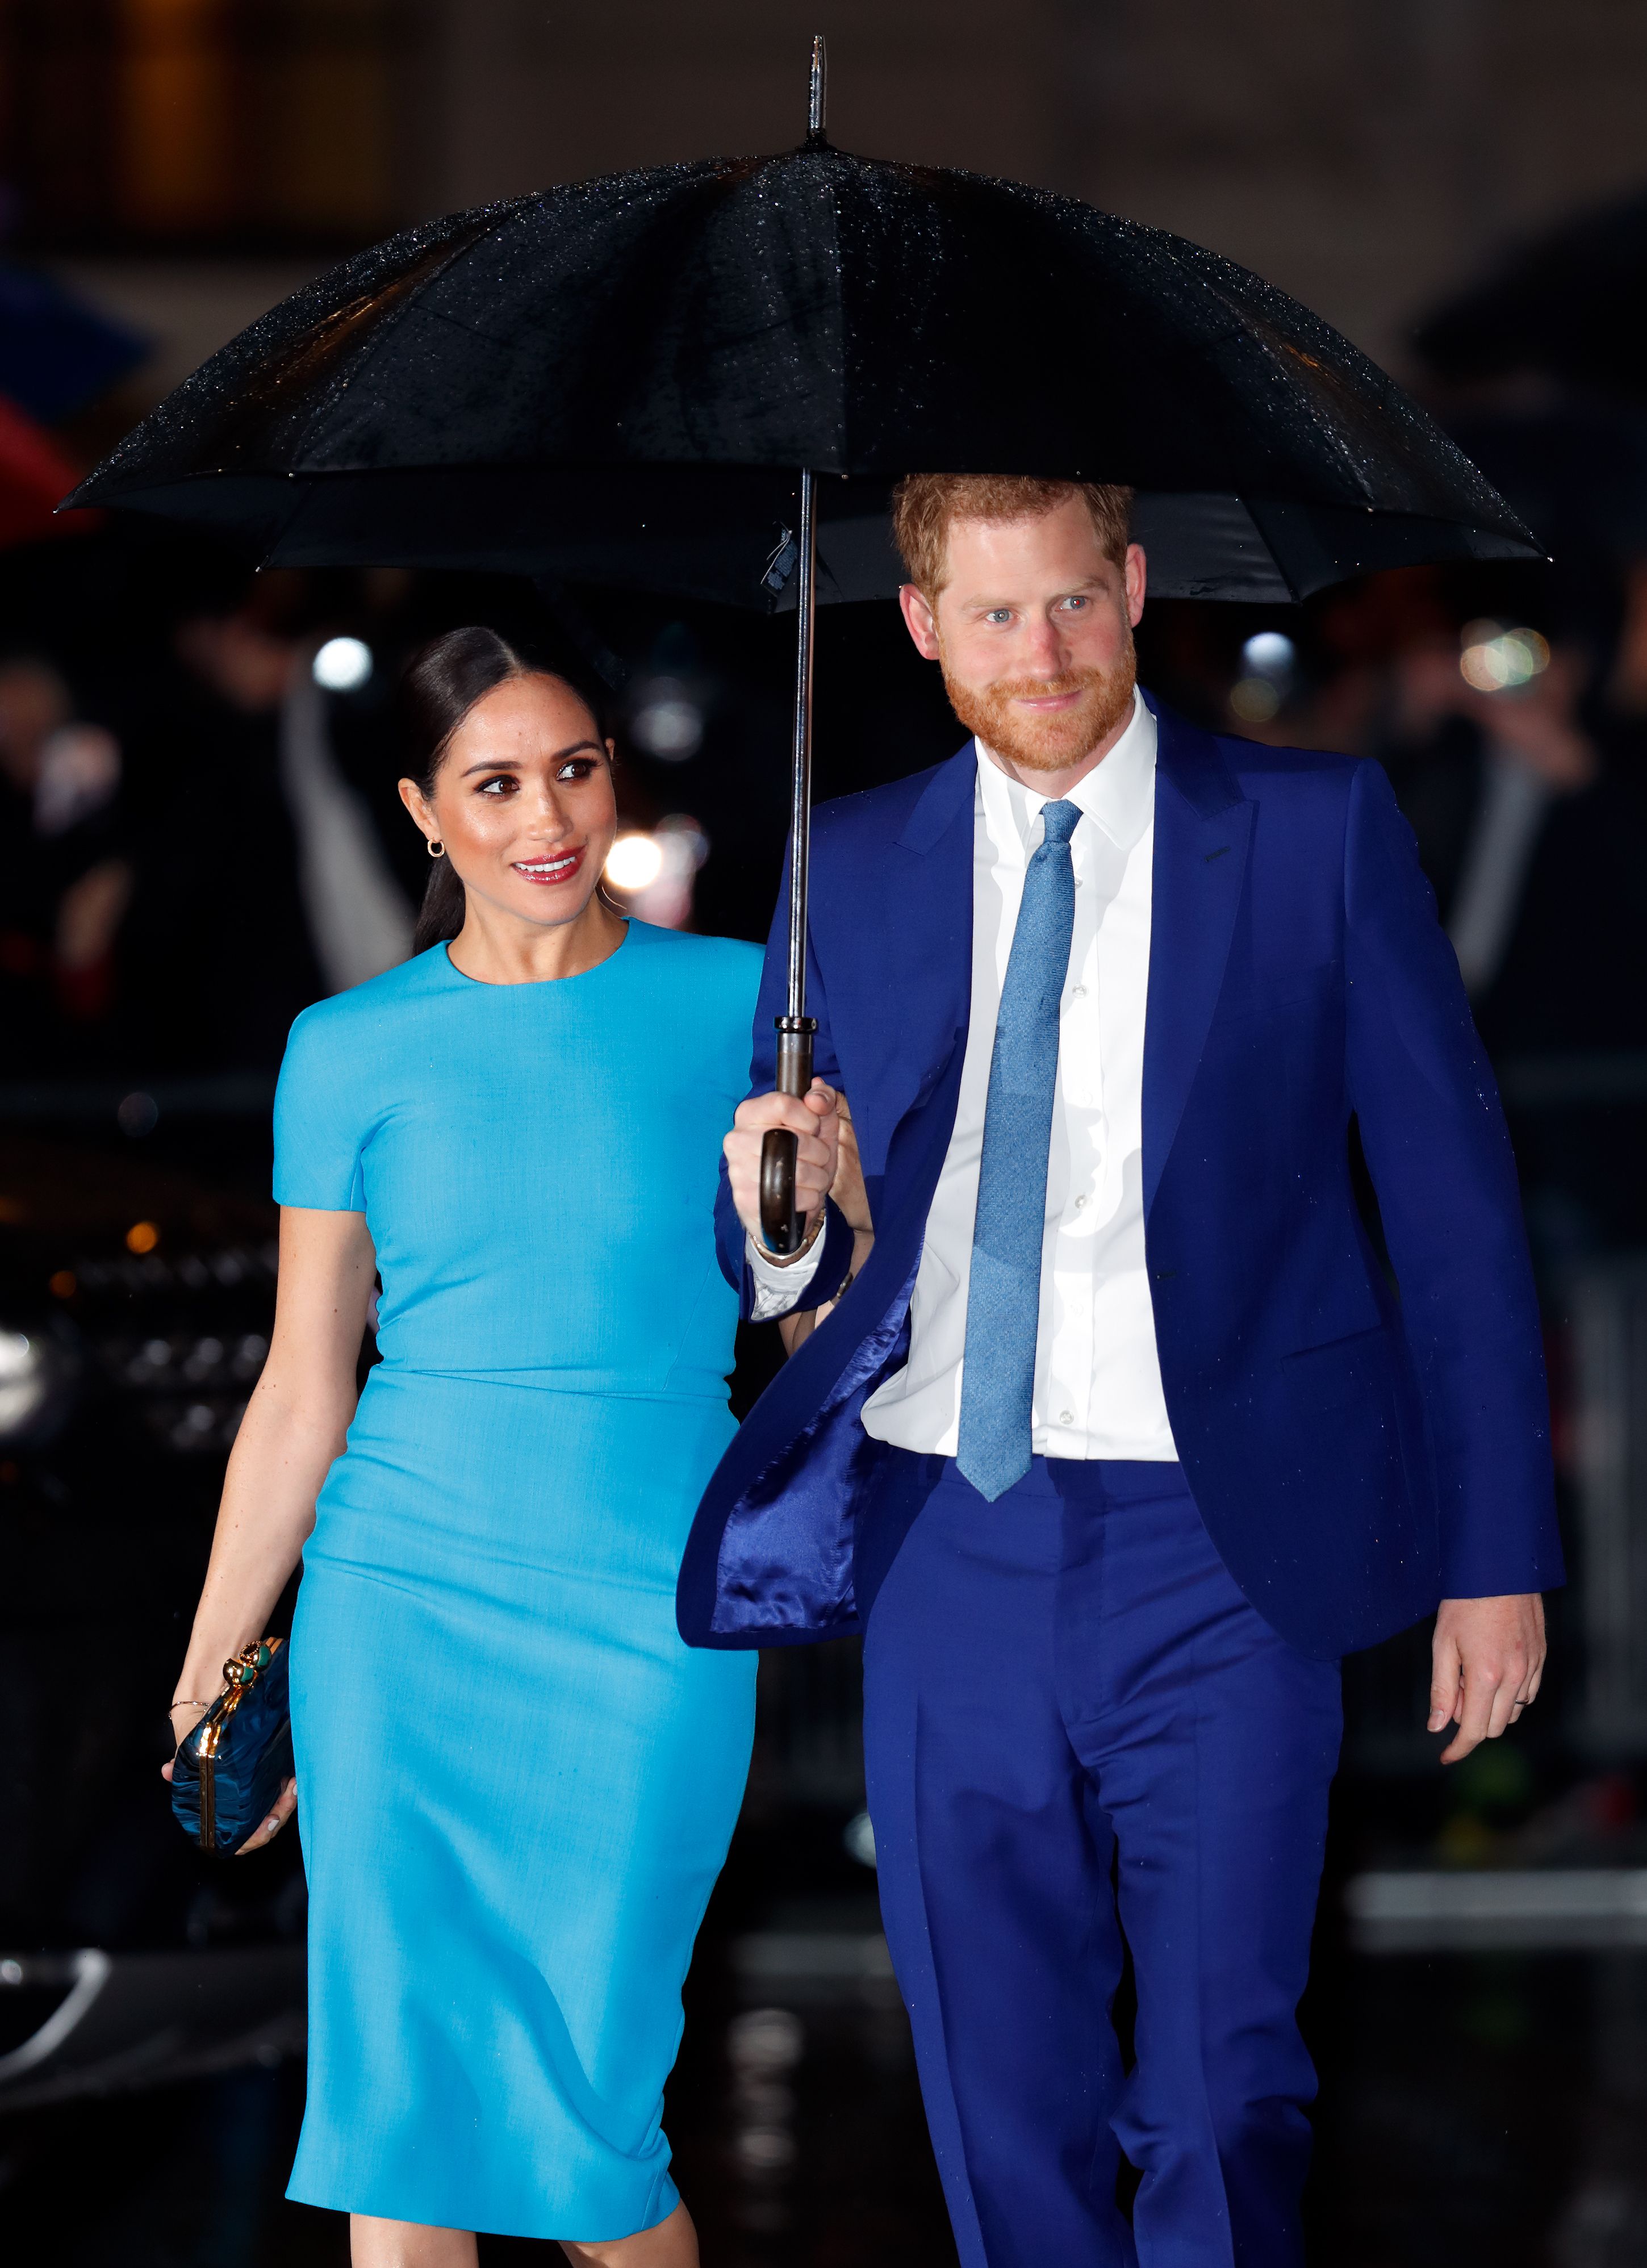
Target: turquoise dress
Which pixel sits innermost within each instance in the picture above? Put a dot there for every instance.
(516, 1786)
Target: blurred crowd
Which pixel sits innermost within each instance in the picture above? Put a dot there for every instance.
(200, 831)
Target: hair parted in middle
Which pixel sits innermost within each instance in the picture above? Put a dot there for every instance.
(924, 504)
(440, 685)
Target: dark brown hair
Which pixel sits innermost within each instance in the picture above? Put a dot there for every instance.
(441, 685)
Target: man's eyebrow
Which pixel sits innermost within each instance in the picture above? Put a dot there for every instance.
(510, 763)
(1085, 583)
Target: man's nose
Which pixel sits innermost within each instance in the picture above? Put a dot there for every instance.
(1043, 648)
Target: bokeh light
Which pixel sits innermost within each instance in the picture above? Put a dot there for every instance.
(343, 665)
(1498, 660)
(666, 721)
(635, 862)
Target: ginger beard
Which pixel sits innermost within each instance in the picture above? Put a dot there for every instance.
(1037, 742)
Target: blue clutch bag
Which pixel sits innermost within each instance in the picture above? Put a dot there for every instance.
(228, 1770)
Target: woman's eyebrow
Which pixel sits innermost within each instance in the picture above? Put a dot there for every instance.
(507, 764)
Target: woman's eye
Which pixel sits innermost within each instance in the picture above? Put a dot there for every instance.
(500, 784)
(577, 768)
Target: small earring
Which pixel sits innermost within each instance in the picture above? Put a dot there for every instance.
(436, 848)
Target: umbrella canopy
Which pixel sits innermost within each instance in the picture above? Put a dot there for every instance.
(704, 377)
(620, 381)
(1569, 304)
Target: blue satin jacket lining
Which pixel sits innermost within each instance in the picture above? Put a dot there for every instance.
(786, 1551)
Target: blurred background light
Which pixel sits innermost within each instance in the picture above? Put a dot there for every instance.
(635, 862)
(655, 872)
(666, 721)
(860, 1839)
(23, 1381)
(137, 1114)
(1268, 653)
(1268, 662)
(1494, 660)
(343, 665)
(1255, 700)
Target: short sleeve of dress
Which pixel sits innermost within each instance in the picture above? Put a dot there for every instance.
(319, 1130)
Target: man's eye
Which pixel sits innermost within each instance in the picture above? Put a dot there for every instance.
(1076, 602)
(999, 615)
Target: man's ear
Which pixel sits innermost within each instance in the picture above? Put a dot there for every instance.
(919, 620)
(1138, 583)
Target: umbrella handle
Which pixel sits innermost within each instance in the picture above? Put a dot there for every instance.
(782, 1227)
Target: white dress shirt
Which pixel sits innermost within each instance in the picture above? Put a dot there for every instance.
(1097, 1376)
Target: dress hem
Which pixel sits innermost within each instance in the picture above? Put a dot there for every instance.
(664, 2199)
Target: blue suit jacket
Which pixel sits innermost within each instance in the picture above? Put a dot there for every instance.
(1358, 1451)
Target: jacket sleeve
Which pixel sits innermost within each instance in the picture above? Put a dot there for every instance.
(1439, 1151)
(836, 1256)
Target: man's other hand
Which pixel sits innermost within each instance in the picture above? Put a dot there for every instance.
(811, 1116)
(1485, 1661)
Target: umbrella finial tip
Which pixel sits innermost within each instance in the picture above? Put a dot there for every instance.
(820, 101)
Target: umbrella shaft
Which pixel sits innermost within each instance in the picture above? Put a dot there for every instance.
(781, 1225)
(801, 770)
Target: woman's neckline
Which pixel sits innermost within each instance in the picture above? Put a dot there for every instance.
(539, 983)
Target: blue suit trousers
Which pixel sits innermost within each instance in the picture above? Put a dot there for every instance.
(1078, 1727)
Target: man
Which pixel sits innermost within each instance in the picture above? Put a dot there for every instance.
(1121, 1437)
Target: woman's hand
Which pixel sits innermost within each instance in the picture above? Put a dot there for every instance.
(185, 1716)
(847, 1189)
(285, 1804)
(852, 1203)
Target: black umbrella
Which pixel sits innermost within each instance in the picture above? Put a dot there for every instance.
(704, 377)
(1571, 304)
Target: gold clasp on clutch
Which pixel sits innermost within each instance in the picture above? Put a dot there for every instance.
(240, 1673)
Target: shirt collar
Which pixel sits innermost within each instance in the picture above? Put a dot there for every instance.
(1117, 794)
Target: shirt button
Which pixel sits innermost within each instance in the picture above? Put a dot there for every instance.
(1079, 1203)
(1077, 992)
(1066, 1417)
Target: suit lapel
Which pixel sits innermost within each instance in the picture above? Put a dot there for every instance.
(1202, 836)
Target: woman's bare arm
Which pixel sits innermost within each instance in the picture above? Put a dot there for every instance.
(293, 1428)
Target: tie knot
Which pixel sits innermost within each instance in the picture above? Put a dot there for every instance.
(1060, 820)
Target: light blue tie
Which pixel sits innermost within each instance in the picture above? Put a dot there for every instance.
(1004, 1302)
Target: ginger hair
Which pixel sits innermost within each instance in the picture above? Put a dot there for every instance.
(925, 505)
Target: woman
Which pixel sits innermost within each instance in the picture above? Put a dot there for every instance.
(516, 1783)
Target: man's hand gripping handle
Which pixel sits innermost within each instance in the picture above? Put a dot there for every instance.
(782, 1227)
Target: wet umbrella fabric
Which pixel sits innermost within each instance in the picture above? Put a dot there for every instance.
(618, 381)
